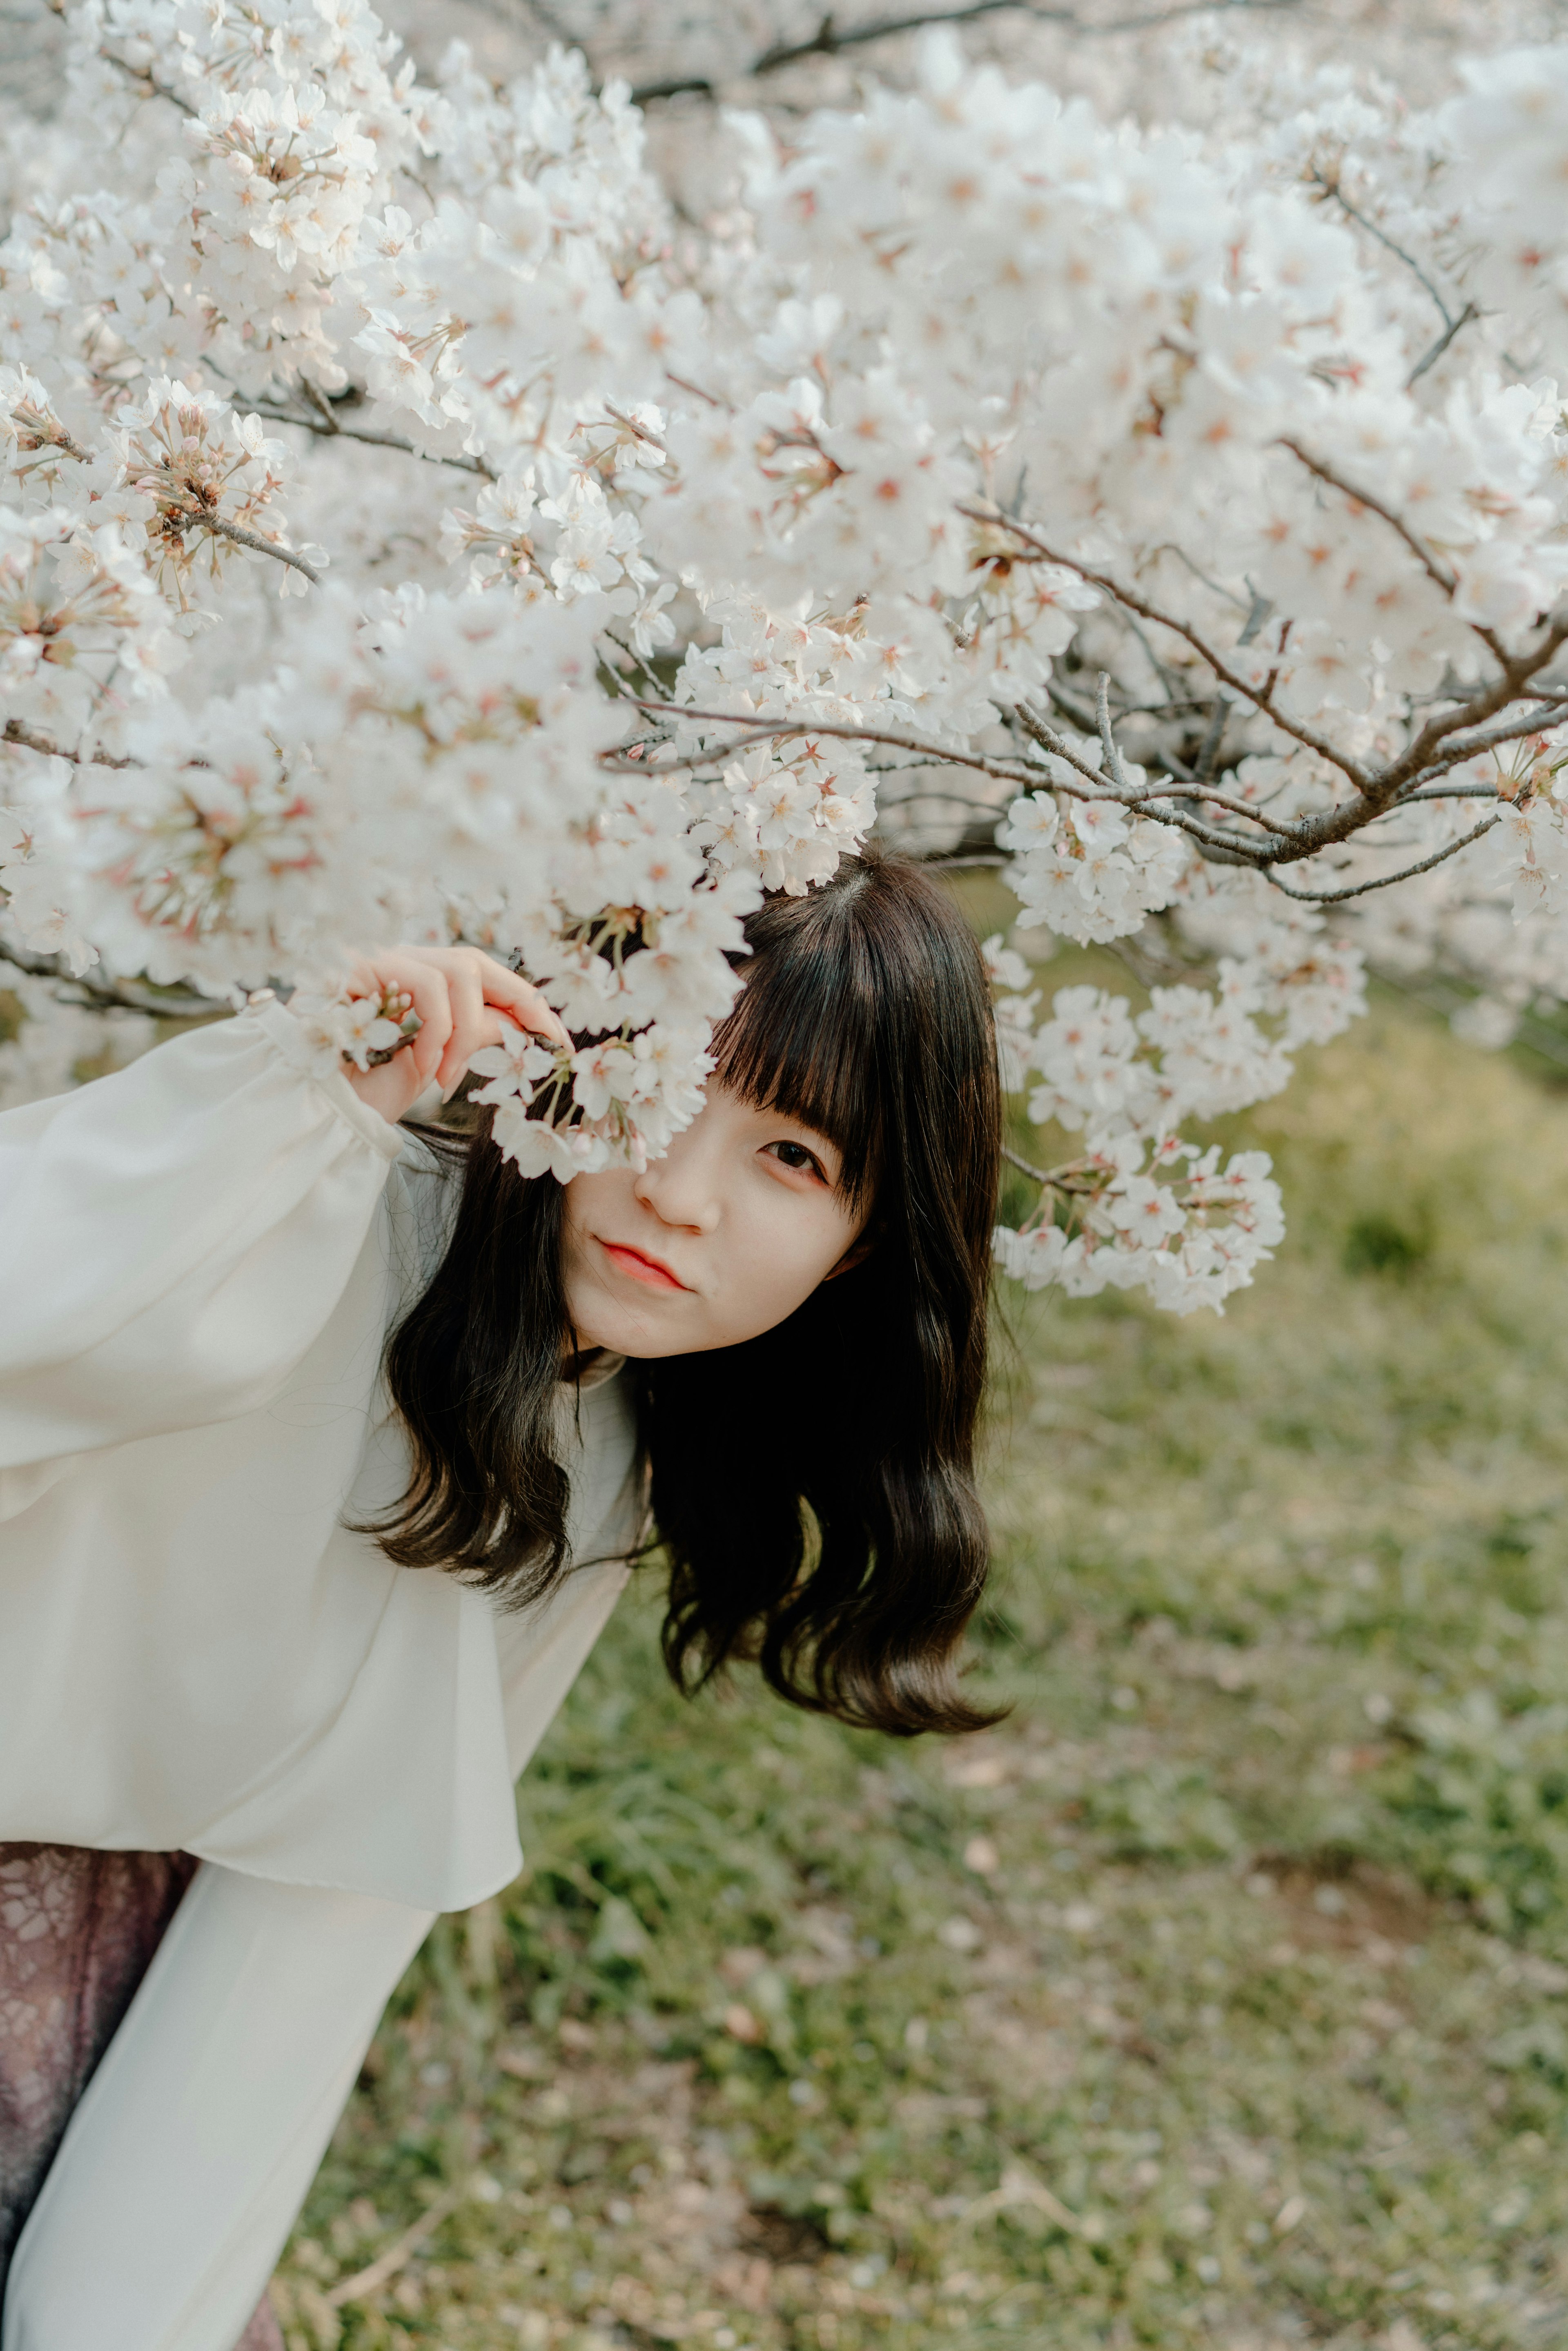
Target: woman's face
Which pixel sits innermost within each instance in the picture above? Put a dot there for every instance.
(719, 1240)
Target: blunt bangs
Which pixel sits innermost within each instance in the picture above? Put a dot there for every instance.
(865, 1013)
(805, 1037)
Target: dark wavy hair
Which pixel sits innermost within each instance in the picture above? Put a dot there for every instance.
(812, 1489)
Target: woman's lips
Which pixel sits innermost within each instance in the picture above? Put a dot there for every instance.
(638, 1268)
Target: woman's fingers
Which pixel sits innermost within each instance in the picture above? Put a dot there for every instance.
(425, 983)
(464, 1000)
(510, 993)
(470, 1021)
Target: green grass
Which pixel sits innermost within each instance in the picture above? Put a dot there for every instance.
(1219, 1997)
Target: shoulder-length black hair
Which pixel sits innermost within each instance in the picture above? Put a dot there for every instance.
(813, 1488)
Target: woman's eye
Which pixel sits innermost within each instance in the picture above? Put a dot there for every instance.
(795, 1154)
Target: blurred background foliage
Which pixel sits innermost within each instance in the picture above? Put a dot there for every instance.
(1215, 1998)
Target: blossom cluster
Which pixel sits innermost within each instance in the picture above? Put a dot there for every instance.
(1174, 515)
(1140, 1206)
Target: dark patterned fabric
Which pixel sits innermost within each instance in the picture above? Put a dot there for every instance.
(77, 1931)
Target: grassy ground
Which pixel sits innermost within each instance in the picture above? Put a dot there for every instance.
(1217, 1999)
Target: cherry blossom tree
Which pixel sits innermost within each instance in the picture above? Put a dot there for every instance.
(418, 520)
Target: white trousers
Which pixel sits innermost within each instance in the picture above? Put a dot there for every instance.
(183, 2165)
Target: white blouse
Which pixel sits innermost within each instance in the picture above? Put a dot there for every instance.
(200, 1257)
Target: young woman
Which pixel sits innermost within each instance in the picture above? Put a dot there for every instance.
(246, 1751)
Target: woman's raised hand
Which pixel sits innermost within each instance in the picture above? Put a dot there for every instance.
(464, 1000)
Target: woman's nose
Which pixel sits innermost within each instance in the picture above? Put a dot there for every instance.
(679, 1189)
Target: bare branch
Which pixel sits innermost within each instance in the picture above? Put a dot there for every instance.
(763, 729)
(1260, 698)
(112, 995)
(1434, 570)
(1387, 882)
(1444, 792)
(251, 538)
(1454, 754)
(1025, 1166)
(1374, 792)
(146, 81)
(1331, 188)
(1431, 358)
(1074, 1175)
(1050, 741)
(327, 426)
(397, 2254)
(1419, 758)
(1451, 323)
(1111, 754)
(828, 41)
(31, 740)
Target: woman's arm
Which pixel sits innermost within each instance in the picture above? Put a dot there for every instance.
(174, 1236)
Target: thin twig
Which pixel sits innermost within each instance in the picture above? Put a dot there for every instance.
(17, 731)
(1024, 1166)
(387, 2265)
(1331, 188)
(1451, 324)
(1434, 570)
(827, 41)
(1050, 741)
(1444, 792)
(764, 729)
(1209, 755)
(198, 519)
(1387, 882)
(1419, 759)
(1112, 756)
(1431, 358)
(1306, 736)
(149, 84)
(113, 995)
(1454, 754)
(328, 428)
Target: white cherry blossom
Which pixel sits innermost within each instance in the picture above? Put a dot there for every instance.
(1177, 514)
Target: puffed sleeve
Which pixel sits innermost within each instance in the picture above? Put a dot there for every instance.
(174, 1236)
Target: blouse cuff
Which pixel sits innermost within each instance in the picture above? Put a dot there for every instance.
(297, 1050)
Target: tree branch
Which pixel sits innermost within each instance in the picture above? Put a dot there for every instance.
(828, 41)
(1069, 1178)
(1025, 1166)
(1444, 792)
(1331, 188)
(387, 2264)
(1260, 699)
(1436, 571)
(1051, 742)
(251, 538)
(764, 729)
(145, 80)
(1517, 672)
(1441, 345)
(1451, 324)
(1454, 754)
(113, 995)
(16, 731)
(1375, 794)
(325, 425)
(1387, 882)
